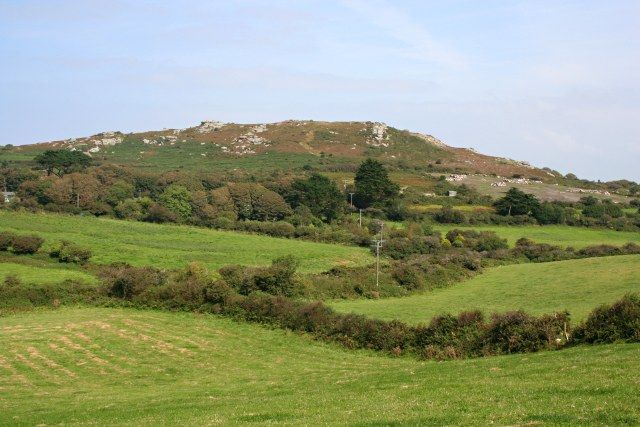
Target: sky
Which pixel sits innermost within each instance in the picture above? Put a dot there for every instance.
(556, 83)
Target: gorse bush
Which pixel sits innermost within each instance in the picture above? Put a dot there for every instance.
(66, 251)
(26, 244)
(541, 252)
(20, 245)
(12, 280)
(6, 238)
(480, 241)
(519, 332)
(609, 323)
(448, 215)
(277, 279)
(127, 282)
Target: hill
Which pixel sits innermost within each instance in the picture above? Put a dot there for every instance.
(122, 366)
(216, 144)
(330, 147)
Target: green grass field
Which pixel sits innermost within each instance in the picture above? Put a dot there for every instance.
(117, 366)
(171, 246)
(562, 235)
(574, 285)
(39, 275)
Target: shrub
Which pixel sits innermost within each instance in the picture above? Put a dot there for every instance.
(12, 280)
(599, 250)
(402, 247)
(125, 281)
(216, 292)
(480, 241)
(550, 213)
(277, 279)
(26, 244)
(619, 321)
(541, 252)
(408, 276)
(447, 215)
(6, 238)
(518, 332)
(448, 336)
(160, 214)
(631, 248)
(66, 251)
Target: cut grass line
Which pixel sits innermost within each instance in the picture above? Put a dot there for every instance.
(250, 373)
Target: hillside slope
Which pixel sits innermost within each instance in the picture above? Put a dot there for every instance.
(289, 143)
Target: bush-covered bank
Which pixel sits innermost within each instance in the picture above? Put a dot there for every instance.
(243, 295)
(17, 296)
(414, 259)
(608, 323)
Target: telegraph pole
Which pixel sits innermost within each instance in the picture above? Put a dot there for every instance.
(360, 219)
(378, 243)
(351, 199)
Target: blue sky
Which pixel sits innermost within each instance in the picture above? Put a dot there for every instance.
(552, 82)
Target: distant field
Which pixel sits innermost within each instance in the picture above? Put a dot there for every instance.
(39, 275)
(462, 208)
(170, 246)
(562, 235)
(574, 285)
(543, 191)
(126, 367)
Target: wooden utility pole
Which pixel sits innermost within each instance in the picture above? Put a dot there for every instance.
(378, 243)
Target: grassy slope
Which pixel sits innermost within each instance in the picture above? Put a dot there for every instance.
(40, 274)
(172, 246)
(562, 235)
(113, 366)
(575, 285)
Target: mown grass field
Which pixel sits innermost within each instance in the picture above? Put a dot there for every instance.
(575, 285)
(171, 246)
(562, 235)
(32, 274)
(121, 366)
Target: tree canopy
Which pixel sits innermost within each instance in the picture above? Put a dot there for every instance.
(60, 162)
(373, 186)
(517, 202)
(321, 195)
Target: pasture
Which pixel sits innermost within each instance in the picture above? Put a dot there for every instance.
(574, 285)
(173, 246)
(37, 274)
(122, 366)
(562, 235)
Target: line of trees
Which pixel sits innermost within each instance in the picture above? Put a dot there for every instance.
(72, 184)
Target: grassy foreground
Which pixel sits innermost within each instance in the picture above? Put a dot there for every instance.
(575, 285)
(562, 235)
(117, 366)
(172, 246)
